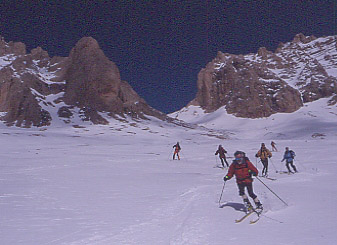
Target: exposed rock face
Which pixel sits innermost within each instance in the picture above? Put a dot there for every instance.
(36, 89)
(24, 83)
(259, 85)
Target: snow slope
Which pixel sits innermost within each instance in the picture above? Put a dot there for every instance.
(314, 119)
(117, 184)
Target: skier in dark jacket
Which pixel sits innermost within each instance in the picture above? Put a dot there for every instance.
(264, 154)
(243, 170)
(289, 156)
(222, 155)
(273, 146)
(177, 149)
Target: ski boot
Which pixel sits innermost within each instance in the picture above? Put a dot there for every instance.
(259, 207)
(248, 206)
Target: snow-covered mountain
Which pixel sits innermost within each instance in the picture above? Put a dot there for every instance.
(36, 90)
(265, 83)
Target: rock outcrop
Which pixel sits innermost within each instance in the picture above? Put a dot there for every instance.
(36, 89)
(259, 85)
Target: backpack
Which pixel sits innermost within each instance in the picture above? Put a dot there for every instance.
(292, 154)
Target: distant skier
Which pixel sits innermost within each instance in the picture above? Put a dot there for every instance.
(289, 156)
(177, 149)
(273, 146)
(264, 154)
(222, 155)
(243, 170)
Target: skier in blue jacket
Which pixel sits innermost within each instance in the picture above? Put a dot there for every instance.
(289, 156)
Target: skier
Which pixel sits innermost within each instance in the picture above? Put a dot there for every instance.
(221, 151)
(289, 156)
(273, 147)
(264, 154)
(176, 151)
(243, 170)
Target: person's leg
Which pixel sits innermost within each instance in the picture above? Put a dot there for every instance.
(266, 163)
(293, 166)
(253, 196)
(246, 202)
(226, 162)
(221, 159)
(250, 190)
(287, 165)
(264, 167)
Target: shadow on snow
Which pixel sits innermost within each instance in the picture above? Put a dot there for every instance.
(235, 205)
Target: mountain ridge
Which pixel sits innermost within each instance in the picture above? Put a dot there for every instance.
(36, 89)
(85, 83)
(265, 83)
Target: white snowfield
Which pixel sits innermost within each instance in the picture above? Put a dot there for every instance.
(117, 184)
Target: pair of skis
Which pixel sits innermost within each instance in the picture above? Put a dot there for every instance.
(284, 172)
(253, 221)
(217, 166)
(266, 177)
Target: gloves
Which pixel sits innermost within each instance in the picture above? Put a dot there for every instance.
(226, 178)
(252, 173)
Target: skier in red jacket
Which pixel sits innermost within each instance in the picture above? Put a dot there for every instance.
(177, 149)
(222, 155)
(243, 170)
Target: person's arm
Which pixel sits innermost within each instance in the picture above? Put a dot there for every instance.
(230, 173)
(269, 153)
(252, 168)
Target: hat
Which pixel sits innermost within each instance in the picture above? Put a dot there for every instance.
(239, 152)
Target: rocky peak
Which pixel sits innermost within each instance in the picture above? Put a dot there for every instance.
(36, 89)
(259, 85)
(303, 39)
(263, 52)
(15, 48)
(39, 54)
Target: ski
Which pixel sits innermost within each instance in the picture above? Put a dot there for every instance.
(284, 172)
(258, 213)
(255, 220)
(268, 178)
(244, 217)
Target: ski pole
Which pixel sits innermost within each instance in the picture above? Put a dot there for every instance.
(281, 222)
(222, 192)
(273, 164)
(271, 191)
(170, 156)
(182, 156)
(216, 160)
(300, 164)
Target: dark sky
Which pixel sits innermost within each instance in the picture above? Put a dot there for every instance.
(160, 46)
